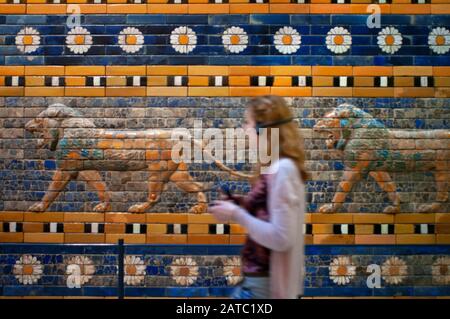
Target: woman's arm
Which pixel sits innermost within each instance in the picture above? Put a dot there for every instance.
(279, 233)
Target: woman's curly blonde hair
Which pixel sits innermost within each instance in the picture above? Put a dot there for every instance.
(273, 108)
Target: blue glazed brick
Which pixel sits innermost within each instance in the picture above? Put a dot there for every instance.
(105, 19)
(187, 19)
(24, 60)
(343, 19)
(229, 19)
(145, 292)
(23, 19)
(186, 292)
(269, 19)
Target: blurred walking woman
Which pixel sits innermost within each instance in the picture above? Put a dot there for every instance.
(273, 211)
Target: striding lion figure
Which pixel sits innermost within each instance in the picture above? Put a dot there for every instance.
(370, 148)
(82, 150)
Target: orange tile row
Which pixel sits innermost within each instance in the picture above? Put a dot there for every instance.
(398, 7)
(218, 70)
(318, 239)
(398, 92)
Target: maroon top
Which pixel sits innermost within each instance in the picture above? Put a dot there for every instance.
(255, 258)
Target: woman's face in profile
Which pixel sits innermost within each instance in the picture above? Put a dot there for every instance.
(249, 124)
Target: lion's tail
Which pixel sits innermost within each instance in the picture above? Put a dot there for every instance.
(221, 165)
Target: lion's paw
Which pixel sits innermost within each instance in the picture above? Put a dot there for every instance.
(200, 208)
(391, 210)
(102, 207)
(138, 208)
(429, 208)
(38, 207)
(327, 208)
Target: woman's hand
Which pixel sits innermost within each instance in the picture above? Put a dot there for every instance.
(224, 211)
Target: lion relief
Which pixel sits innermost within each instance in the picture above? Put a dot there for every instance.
(82, 151)
(370, 148)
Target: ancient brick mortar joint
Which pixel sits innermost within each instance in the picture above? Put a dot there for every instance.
(89, 102)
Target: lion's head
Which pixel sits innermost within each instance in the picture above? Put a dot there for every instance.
(49, 125)
(339, 123)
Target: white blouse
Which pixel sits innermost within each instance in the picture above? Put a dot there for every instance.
(283, 234)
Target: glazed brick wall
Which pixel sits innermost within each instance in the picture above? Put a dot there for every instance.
(27, 171)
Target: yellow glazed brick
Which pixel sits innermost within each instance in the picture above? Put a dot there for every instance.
(415, 239)
(44, 70)
(11, 216)
(13, 8)
(91, 8)
(237, 239)
(290, 70)
(207, 70)
(362, 218)
(75, 81)
(443, 218)
(44, 91)
(291, 91)
(239, 81)
(413, 70)
(237, 229)
(11, 91)
(361, 229)
(73, 228)
(198, 81)
(332, 70)
(34, 81)
(12, 70)
(372, 70)
(288, 8)
(157, 80)
(441, 81)
(43, 238)
(374, 239)
(44, 217)
(116, 81)
(249, 8)
(46, 8)
(166, 239)
(317, 218)
(373, 92)
(414, 92)
(126, 70)
(166, 70)
(126, 91)
(166, 218)
(246, 70)
(363, 81)
(208, 8)
(11, 237)
(85, 70)
(440, 239)
(202, 219)
(126, 8)
(332, 91)
(33, 227)
(441, 70)
(414, 218)
(84, 238)
(167, 91)
(127, 238)
(208, 91)
(404, 229)
(208, 239)
(282, 81)
(322, 81)
(198, 229)
(115, 228)
(322, 229)
(156, 229)
(333, 239)
(249, 91)
(84, 91)
(125, 218)
(167, 8)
